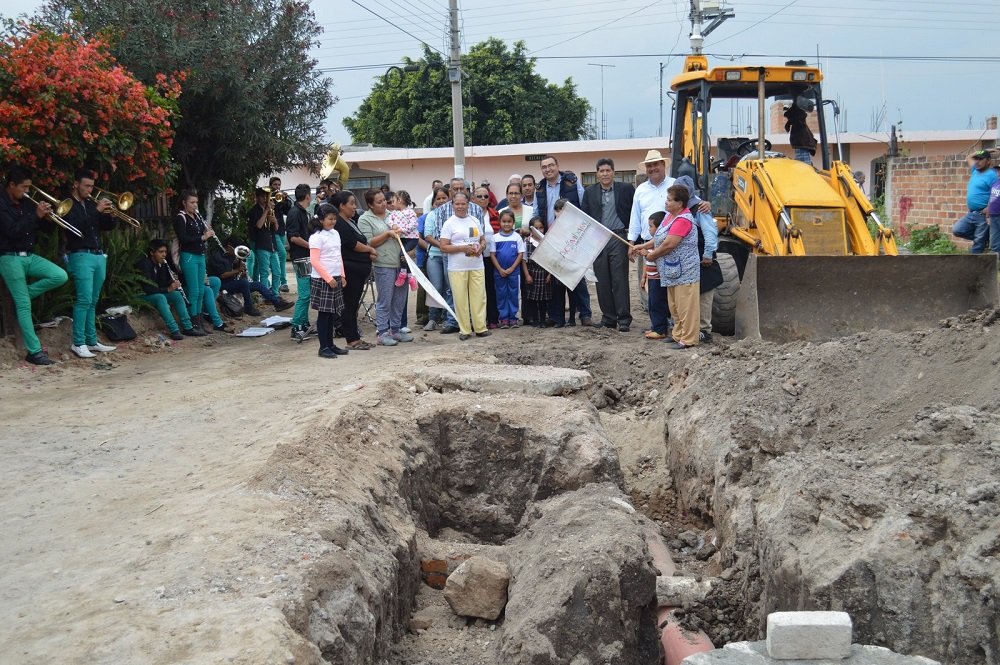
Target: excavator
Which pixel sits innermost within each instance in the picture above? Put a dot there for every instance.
(803, 252)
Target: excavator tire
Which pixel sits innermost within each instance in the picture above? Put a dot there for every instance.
(724, 301)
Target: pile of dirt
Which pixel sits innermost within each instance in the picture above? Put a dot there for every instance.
(859, 475)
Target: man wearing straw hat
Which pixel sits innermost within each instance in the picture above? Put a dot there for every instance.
(651, 197)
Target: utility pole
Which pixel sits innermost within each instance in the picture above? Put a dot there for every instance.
(661, 100)
(604, 118)
(455, 77)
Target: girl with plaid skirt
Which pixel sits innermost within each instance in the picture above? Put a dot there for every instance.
(326, 281)
(537, 280)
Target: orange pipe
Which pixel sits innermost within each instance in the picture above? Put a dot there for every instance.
(677, 642)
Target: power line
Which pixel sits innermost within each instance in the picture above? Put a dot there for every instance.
(587, 32)
(396, 26)
(769, 16)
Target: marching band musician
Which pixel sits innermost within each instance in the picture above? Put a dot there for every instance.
(20, 220)
(297, 230)
(87, 263)
(280, 255)
(232, 273)
(164, 290)
(261, 224)
(191, 234)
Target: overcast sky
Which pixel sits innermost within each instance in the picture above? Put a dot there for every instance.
(567, 37)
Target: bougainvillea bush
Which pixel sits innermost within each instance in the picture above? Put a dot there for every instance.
(66, 103)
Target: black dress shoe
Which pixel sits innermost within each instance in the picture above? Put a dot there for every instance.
(327, 353)
(252, 312)
(176, 336)
(339, 351)
(38, 358)
(558, 325)
(447, 330)
(622, 327)
(195, 332)
(485, 333)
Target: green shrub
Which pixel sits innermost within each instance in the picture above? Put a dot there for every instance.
(930, 240)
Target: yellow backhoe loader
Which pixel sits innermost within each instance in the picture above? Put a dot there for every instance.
(804, 254)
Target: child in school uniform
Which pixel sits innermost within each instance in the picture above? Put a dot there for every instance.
(537, 280)
(507, 253)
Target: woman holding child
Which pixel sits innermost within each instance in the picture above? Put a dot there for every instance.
(674, 247)
(390, 299)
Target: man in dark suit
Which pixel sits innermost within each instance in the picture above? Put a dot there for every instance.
(610, 203)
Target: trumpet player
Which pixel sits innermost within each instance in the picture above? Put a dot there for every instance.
(163, 289)
(20, 220)
(192, 234)
(262, 225)
(232, 272)
(87, 263)
(281, 209)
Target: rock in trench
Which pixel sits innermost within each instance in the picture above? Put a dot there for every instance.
(478, 588)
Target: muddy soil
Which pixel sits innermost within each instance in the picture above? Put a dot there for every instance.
(202, 502)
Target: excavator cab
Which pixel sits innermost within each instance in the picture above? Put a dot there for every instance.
(802, 249)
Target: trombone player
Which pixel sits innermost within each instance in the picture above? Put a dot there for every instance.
(20, 220)
(87, 263)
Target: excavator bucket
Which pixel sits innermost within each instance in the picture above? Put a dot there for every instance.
(785, 298)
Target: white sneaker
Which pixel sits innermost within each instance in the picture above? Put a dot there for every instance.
(101, 348)
(82, 351)
(431, 325)
(404, 329)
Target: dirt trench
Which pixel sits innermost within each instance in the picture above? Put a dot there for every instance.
(858, 475)
(532, 481)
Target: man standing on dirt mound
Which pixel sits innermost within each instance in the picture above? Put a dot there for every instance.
(973, 225)
(651, 197)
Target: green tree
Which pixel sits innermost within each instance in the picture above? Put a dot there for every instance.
(504, 100)
(252, 101)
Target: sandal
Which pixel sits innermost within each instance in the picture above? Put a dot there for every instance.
(360, 345)
(652, 334)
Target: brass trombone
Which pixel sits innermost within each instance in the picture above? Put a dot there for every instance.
(59, 209)
(119, 204)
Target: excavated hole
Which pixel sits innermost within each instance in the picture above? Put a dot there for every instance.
(630, 387)
(467, 478)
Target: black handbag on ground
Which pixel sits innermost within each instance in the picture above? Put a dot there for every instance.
(231, 305)
(116, 327)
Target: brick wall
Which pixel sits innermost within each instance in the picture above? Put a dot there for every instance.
(926, 190)
(777, 119)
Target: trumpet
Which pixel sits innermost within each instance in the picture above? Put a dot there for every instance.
(276, 197)
(60, 208)
(119, 204)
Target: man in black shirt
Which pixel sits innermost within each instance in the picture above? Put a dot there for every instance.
(261, 223)
(297, 229)
(20, 220)
(162, 289)
(233, 274)
(280, 256)
(87, 263)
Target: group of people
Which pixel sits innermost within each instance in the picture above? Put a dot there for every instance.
(478, 254)
(475, 250)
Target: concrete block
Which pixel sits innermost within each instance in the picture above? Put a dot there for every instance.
(678, 591)
(808, 635)
(505, 379)
(755, 653)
